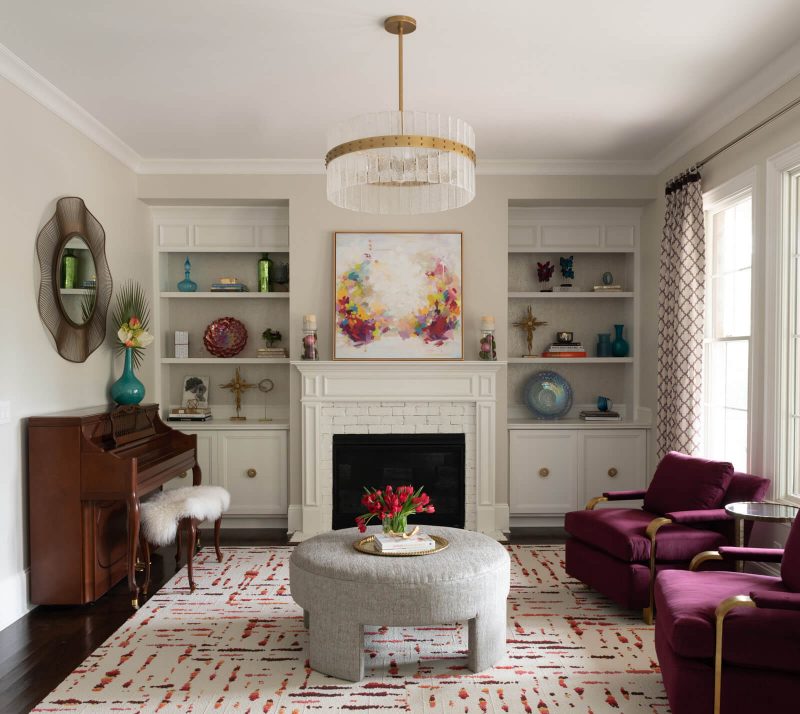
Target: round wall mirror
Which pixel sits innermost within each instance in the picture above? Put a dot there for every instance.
(75, 286)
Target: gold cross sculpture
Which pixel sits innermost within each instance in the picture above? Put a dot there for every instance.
(237, 385)
(529, 324)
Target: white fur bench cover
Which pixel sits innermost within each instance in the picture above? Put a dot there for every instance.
(160, 515)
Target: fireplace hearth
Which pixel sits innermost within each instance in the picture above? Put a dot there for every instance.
(435, 461)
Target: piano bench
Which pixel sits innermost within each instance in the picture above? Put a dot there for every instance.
(171, 514)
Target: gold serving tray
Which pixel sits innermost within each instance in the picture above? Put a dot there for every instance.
(367, 545)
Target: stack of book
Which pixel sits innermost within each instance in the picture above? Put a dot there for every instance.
(228, 285)
(565, 349)
(186, 414)
(393, 544)
(600, 416)
(271, 352)
(607, 288)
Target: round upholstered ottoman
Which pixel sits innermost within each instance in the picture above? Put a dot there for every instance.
(341, 590)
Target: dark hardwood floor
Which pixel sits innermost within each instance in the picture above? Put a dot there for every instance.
(39, 650)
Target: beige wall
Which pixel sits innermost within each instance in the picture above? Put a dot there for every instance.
(42, 160)
(312, 220)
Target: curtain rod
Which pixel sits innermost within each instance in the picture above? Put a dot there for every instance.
(741, 137)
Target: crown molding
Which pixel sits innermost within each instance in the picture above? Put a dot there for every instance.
(231, 166)
(24, 77)
(784, 68)
(485, 167)
(564, 167)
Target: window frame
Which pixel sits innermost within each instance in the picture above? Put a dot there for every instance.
(783, 194)
(715, 201)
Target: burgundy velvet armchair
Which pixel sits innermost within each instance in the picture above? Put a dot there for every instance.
(729, 643)
(619, 551)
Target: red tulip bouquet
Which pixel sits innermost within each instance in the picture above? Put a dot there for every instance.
(393, 507)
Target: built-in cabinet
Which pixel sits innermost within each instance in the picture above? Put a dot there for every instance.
(553, 471)
(249, 458)
(556, 466)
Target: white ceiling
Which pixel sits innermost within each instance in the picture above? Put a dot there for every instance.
(263, 79)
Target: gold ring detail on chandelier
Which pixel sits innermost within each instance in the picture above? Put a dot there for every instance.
(412, 141)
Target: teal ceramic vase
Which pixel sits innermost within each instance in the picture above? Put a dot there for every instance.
(604, 345)
(619, 347)
(127, 389)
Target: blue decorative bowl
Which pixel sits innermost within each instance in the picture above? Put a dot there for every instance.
(548, 395)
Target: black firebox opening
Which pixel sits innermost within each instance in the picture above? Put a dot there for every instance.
(435, 461)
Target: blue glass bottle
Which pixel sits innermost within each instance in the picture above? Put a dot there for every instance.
(187, 285)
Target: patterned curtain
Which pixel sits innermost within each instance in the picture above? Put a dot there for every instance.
(681, 303)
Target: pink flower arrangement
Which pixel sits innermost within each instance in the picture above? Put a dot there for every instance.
(393, 506)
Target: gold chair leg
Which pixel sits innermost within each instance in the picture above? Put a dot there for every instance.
(723, 609)
(648, 614)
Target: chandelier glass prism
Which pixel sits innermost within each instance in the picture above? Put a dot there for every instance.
(401, 162)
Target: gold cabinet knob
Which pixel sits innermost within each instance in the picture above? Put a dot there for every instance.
(252, 473)
(183, 475)
(612, 472)
(544, 473)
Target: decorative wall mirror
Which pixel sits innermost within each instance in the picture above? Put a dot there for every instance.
(75, 286)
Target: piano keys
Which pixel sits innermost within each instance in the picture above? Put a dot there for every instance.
(87, 471)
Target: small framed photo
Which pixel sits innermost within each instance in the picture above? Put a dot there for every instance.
(195, 392)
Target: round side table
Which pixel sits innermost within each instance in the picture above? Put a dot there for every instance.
(758, 511)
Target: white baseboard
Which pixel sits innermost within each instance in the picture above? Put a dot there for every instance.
(14, 598)
(537, 521)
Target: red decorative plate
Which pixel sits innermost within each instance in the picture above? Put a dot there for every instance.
(225, 337)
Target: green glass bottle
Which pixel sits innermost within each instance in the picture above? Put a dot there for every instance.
(264, 273)
(69, 270)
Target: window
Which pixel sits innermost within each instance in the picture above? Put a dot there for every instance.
(726, 350)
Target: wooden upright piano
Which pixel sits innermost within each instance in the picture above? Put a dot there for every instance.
(87, 470)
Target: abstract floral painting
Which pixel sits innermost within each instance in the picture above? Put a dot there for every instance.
(397, 296)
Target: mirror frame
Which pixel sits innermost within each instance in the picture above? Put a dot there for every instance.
(74, 342)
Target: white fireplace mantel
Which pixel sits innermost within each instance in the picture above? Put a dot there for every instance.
(356, 386)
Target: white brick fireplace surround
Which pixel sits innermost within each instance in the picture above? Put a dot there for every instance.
(399, 398)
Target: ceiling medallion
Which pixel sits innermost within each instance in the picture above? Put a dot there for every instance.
(401, 162)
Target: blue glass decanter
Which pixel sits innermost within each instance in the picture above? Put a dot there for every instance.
(187, 285)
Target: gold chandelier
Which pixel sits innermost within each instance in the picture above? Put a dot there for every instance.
(401, 162)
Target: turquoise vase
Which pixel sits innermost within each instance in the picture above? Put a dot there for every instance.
(619, 347)
(604, 345)
(127, 389)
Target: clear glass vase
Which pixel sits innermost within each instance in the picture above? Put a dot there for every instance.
(395, 524)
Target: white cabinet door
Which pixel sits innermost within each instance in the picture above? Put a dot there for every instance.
(544, 472)
(253, 467)
(206, 450)
(613, 461)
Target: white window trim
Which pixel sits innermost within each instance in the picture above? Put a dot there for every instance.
(779, 168)
(718, 199)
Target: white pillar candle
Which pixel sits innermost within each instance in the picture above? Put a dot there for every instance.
(309, 322)
(487, 323)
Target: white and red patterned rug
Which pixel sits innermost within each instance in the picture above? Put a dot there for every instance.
(238, 645)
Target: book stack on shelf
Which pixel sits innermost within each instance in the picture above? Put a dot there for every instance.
(417, 543)
(608, 415)
(271, 352)
(228, 285)
(565, 349)
(608, 288)
(186, 414)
